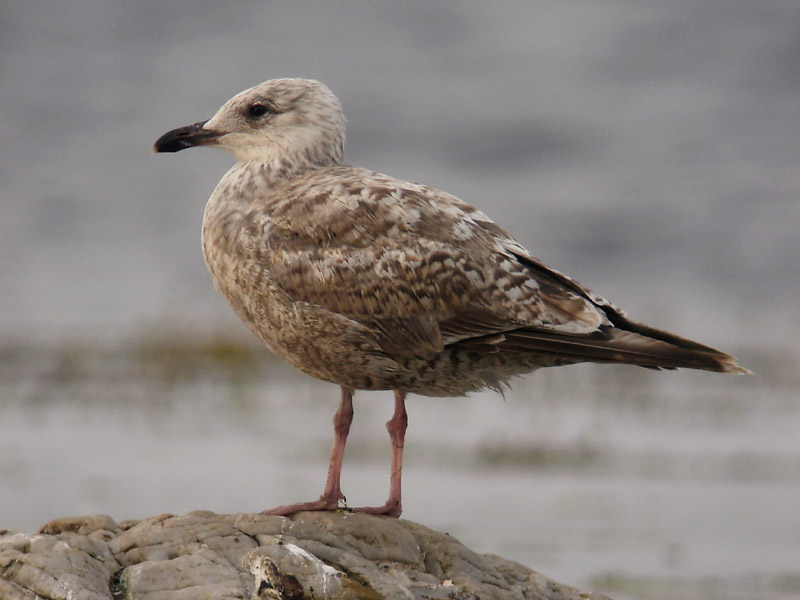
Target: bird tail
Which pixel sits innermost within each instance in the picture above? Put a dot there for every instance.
(627, 343)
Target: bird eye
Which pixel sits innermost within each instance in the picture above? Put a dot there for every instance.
(257, 110)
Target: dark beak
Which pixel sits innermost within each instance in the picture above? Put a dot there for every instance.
(186, 137)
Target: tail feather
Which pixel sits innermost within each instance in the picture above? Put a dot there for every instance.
(639, 345)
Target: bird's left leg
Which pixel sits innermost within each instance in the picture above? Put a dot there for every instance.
(396, 426)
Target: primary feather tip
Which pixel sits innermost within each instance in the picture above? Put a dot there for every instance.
(730, 366)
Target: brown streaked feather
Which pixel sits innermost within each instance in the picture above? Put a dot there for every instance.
(472, 324)
(613, 345)
(422, 270)
(411, 336)
(559, 281)
(487, 344)
(375, 247)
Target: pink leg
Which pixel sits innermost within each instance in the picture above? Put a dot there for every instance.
(329, 500)
(396, 426)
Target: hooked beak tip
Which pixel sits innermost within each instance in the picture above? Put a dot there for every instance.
(188, 136)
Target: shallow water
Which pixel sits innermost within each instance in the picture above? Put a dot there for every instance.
(649, 149)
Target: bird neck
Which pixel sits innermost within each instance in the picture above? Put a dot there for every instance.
(280, 169)
(288, 157)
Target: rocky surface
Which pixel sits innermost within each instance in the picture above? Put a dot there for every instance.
(309, 556)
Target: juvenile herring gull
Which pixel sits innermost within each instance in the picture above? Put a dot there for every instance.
(375, 283)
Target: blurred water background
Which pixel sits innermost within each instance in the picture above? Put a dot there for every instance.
(650, 149)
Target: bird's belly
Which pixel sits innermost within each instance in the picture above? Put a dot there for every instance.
(323, 344)
(456, 371)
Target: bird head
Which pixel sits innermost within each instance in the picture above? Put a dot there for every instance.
(297, 121)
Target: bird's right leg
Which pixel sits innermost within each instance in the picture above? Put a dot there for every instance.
(329, 500)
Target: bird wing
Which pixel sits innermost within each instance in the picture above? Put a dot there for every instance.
(417, 266)
(422, 270)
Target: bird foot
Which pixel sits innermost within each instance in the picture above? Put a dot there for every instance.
(392, 508)
(323, 503)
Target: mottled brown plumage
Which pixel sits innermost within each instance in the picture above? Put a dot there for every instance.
(375, 283)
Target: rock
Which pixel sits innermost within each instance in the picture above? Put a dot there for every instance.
(309, 556)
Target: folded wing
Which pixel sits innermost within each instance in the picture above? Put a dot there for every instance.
(423, 270)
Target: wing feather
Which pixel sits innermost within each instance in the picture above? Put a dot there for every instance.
(422, 270)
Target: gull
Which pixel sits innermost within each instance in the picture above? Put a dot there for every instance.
(374, 283)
